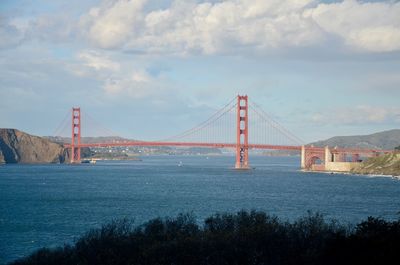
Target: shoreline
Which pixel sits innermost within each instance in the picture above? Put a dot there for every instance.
(397, 177)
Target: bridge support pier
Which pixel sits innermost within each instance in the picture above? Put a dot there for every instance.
(303, 157)
(242, 133)
(355, 158)
(328, 155)
(76, 136)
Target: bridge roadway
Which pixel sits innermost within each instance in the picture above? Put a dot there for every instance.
(230, 145)
(187, 144)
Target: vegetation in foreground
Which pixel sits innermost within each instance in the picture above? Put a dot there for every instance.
(242, 238)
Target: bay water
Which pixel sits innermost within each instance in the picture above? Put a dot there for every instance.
(52, 204)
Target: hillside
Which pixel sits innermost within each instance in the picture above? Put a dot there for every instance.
(382, 140)
(88, 140)
(20, 147)
(383, 165)
(120, 151)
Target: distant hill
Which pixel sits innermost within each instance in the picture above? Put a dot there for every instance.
(201, 151)
(88, 140)
(381, 140)
(148, 149)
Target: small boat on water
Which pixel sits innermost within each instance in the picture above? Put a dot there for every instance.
(88, 161)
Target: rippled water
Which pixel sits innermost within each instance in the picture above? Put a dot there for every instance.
(48, 205)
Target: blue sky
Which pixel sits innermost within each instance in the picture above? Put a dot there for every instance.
(150, 69)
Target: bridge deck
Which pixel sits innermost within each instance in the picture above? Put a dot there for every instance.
(229, 145)
(188, 144)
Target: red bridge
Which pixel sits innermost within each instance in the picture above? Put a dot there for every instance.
(240, 126)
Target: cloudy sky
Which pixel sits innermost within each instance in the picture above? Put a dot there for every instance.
(148, 69)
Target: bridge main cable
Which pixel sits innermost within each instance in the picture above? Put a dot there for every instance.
(217, 115)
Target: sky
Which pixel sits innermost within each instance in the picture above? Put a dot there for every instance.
(148, 69)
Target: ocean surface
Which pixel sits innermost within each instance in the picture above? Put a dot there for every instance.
(49, 205)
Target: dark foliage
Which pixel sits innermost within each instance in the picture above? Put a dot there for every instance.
(242, 238)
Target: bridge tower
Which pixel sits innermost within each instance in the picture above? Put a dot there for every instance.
(76, 136)
(242, 133)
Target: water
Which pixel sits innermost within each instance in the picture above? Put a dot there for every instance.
(49, 205)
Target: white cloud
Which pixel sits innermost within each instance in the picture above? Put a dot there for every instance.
(134, 84)
(119, 78)
(229, 26)
(371, 27)
(97, 61)
(358, 115)
(56, 28)
(113, 22)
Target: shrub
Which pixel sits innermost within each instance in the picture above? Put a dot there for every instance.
(242, 238)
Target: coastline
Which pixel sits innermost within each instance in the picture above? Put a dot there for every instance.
(397, 177)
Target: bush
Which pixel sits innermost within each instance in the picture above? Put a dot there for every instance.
(241, 238)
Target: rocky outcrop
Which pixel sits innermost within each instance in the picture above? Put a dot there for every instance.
(388, 164)
(20, 147)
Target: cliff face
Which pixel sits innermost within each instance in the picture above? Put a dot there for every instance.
(20, 147)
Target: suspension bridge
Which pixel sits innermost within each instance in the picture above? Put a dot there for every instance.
(240, 125)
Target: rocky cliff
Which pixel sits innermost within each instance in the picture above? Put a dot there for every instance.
(20, 147)
(382, 165)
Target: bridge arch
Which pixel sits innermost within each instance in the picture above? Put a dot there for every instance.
(314, 159)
